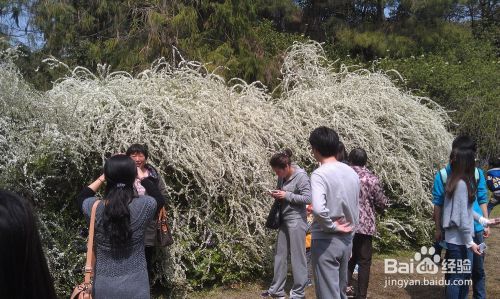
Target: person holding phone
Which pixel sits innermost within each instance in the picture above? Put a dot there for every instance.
(458, 219)
(480, 206)
(294, 192)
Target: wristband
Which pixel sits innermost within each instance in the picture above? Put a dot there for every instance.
(483, 221)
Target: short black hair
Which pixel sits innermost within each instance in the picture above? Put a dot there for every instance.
(138, 148)
(464, 142)
(494, 162)
(325, 140)
(358, 157)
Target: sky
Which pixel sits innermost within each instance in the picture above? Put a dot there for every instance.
(21, 33)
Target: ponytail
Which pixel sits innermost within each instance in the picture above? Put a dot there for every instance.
(120, 172)
(116, 218)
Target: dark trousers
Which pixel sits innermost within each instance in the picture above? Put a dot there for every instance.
(149, 250)
(438, 249)
(361, 255)
(493, 203)
(478, 275)
(456, 287)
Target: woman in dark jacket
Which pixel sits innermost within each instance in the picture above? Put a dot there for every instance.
(140, 154)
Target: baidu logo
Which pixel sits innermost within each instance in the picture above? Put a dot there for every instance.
(423, 262)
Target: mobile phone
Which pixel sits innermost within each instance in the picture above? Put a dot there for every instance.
(482, 247)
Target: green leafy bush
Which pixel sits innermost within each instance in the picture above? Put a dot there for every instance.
(466, 82)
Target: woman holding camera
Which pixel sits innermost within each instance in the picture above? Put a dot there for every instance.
(120, 223)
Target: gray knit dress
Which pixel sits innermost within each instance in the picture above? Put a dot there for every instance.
(122, 274)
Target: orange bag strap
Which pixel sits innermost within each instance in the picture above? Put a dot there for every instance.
(90, 263)
(162, 213)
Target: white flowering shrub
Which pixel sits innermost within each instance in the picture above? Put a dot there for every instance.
(35, 166)
(212, 141)
(16, 111)
(404, 135)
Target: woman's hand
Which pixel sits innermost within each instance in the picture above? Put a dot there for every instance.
(278, 194)
(95, 185)
(475, 249)
(486, 232)
(494, 221)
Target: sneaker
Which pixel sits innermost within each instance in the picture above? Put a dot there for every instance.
(350, 292)
(266, 294)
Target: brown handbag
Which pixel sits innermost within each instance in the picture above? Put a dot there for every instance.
(84, 290)
(163, 234)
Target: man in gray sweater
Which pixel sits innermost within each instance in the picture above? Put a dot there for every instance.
(335, 192)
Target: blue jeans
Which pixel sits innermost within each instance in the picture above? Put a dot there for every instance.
(457, 287)
(478, 276)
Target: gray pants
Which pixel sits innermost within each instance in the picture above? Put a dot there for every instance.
(291, 240)
(330, 258)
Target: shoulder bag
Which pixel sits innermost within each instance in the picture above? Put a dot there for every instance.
(163, 234)
(84, 290)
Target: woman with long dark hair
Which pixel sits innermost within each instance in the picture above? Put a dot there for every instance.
(24, 272)
(458, 221)
(294, 193)
(121, 220)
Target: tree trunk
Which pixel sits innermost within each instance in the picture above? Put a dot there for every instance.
(380, 11)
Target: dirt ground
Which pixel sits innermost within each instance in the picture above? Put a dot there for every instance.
(378, 288)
